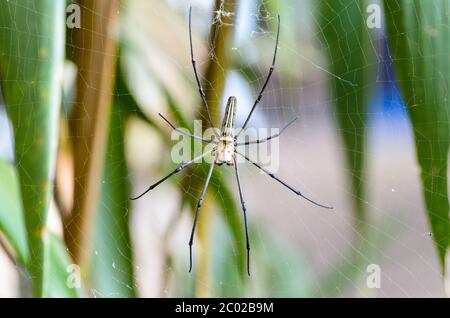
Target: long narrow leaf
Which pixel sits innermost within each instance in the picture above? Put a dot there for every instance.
(31, 59)
(93, 50)
(61, 277)
(345, 37)
(351, 61)
(419, 41)
(12, 223)
(112, 267)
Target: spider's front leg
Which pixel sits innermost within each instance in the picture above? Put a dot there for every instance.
(187, 134)
(260, 141)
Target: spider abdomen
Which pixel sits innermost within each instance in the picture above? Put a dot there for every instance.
(224, 151)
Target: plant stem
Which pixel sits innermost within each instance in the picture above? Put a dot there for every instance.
(94, 51)
(221, 34)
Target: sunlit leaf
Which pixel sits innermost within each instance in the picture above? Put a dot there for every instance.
(61, 277)
(31, 61)
(112, 264)
(12, 223)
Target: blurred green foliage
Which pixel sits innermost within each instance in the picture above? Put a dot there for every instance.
(351, 60)
(112, 265)
(31, 61)
(419, 41)
(12, 223)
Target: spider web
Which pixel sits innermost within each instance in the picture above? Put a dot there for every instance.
(311, 158)
(294, 245)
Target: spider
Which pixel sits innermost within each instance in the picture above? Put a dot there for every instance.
(225, 147)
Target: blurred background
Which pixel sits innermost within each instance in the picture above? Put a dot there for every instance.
(80, 134)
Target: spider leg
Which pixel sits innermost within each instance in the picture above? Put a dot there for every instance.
(194, 66)
(244, 211)
(184, 133)
(178, 169)
(284, 183)
(272, 67)
(259, 141)
(199, 205)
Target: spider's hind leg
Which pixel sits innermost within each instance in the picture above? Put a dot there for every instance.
(199, 205)
(273, 176)
(244, 211)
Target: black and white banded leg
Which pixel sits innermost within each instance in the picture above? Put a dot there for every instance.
(244, 211)
(200, 87)
(185, 133)
(283, 183)
(259, 141)
(272, 67)
(199, 205)
(178, 169)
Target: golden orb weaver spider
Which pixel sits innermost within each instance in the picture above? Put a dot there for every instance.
(225, 150)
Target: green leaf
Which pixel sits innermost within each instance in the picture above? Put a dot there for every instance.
(60, 275)
(345, 38)
(12, 224)
(31, 61)
(112, 265)
(351, 62)
(419, 41)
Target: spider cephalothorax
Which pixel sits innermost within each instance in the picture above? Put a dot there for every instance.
(225, 148)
